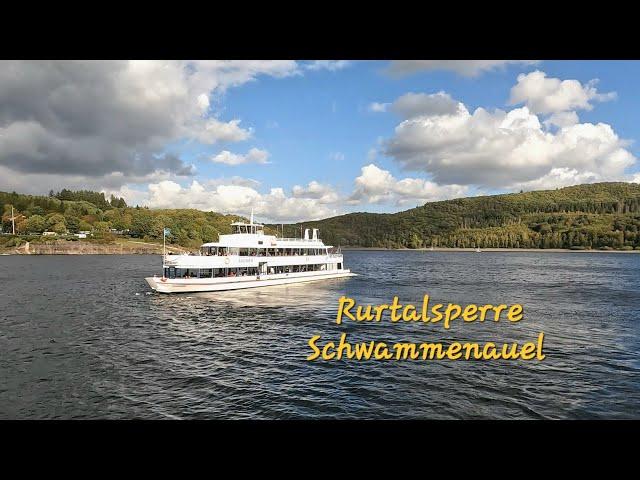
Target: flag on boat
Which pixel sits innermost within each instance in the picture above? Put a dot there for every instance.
(167, 231)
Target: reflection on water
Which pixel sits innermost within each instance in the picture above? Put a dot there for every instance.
(318, 294)
(81, 338)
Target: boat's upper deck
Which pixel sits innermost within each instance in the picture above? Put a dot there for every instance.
(251, 235)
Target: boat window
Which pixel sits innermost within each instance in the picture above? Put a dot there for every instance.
(186, 273)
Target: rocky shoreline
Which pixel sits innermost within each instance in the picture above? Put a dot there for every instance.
(62, 247)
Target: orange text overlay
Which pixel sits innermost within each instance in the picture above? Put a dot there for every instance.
(439, 312)
(426, 313)
(372, 350)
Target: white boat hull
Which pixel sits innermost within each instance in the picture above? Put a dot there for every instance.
(236, 283)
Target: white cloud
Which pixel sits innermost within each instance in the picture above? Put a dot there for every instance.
(310, 202)
(412, 105)
(377, 107)
(504, 149)
(338, 156)
(372, 154)
(254, 155)
(235, 180)
(550, 95)
(216, 131)
(203, 102)
(375, 185)
(94, 119)
(41, 183)
(466, 68)
(325, 194)
(237, 199)
(562, 119)
(331, 65)
(133, 196)
(557, 178)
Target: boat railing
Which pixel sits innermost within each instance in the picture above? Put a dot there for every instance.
(317, 240)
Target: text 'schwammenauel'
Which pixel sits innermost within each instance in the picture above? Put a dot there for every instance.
(438, 314)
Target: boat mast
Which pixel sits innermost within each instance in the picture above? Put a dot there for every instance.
(13, 221)
(165, 231)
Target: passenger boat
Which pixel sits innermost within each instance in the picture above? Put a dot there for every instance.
(249, 258)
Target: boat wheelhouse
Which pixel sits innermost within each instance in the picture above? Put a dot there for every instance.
(249, 258)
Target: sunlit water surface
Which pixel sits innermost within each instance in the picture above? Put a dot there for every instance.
(82, 337)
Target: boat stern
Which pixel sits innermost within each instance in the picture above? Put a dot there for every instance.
(153, 282)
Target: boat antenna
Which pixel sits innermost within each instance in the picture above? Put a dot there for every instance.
(13, 221)
(251, 221)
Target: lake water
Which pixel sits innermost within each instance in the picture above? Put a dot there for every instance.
(80, 338)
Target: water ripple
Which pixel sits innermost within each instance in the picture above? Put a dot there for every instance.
(82, 344)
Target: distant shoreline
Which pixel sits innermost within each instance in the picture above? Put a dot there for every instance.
(65, 247)
(133, 247)
(502, 250)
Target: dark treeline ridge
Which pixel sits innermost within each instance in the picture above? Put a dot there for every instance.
(592, 216)
(74, 211)
(97, 198)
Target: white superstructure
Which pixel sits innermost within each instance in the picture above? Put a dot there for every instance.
(249, 258)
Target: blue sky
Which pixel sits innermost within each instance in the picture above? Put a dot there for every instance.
(178, 138)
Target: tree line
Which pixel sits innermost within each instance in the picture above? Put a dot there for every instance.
(74, 211)
(603, 215)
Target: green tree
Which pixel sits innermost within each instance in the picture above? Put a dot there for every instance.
(59, 227)
(102, 227)
(73, 223)
(84, 226)
(56, 220)
(35, 224)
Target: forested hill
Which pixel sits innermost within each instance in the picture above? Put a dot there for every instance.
(601, 215)
(68, 212)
